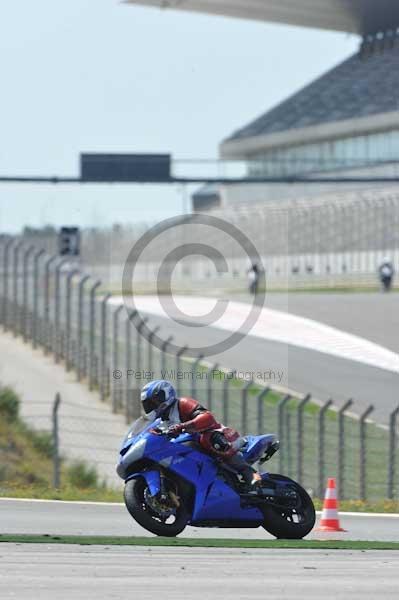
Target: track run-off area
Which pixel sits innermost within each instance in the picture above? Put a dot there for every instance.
(273, 325)
(338, 346)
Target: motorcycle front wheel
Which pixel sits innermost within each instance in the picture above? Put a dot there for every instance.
(290, 523)
(161, 519)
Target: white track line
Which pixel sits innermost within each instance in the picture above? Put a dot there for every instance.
(89, 503)
(49, 501)
(278, 326)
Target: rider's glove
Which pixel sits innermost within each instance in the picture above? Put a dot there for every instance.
(176, 429)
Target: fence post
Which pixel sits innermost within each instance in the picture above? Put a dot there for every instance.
(299, 465)
(83, 358)
(179, 354)
(163, 355)
(56, 449)
(150, 347)
(74, 359)
(104, 346)
(95, 370)
(392, 452)
(141, 323)
(209, 382)
(128, 360)
(280, 420)
(341, 448)
(80, 324)
(226, 389)
(24, 317)
(61, 354)
(47, 332)
(57, 313)
(115, 355)
(15, 315)
(363, 451)
(70, 275)
(194, 370)
(6, 258)
(92, 333)
(244, 407)
(321, 449)
(35, 311)
(288, 443)
(260, 409)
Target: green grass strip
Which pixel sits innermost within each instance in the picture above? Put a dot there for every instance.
(198, 543)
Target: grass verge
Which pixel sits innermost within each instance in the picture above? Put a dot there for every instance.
(199, 543)
(26, 462)
(65, 493)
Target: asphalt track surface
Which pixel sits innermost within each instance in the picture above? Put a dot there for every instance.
(372, 316)
(56, 571)
(105, 573)
(79, 518)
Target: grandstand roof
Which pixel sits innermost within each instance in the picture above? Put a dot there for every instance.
(357, 16)
(359, 88)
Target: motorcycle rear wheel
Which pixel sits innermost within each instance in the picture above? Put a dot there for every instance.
(290, 524)
(141, 512)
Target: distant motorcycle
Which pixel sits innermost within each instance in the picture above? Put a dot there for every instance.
(386, 272)
(170, 482)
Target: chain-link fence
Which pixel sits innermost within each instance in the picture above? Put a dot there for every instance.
(51, 304)
(79, 434)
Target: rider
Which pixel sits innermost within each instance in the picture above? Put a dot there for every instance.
(159, 399)
(386, 272)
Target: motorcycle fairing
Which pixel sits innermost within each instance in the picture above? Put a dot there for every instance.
(256, 446)
(213, 497)
(153, 479)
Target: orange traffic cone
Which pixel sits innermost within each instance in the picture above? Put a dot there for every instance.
(329, 517)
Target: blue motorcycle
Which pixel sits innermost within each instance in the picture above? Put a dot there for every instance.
(170, 482)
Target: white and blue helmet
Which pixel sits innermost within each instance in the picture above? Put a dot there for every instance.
(157, 396)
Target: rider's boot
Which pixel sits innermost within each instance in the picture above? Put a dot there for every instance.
(256, 480)
(253, 479)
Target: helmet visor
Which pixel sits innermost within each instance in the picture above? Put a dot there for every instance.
(153, 402)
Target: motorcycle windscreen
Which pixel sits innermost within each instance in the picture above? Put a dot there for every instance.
(138, 426)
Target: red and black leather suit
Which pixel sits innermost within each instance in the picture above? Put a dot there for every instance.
(214, 438)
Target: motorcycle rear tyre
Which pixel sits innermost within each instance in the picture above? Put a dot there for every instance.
(278, 525)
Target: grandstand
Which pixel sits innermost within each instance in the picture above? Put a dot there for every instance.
(344, 124)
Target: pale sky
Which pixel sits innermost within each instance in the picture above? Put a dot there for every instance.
(100, 76)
